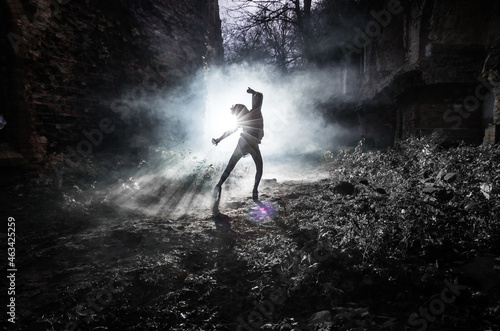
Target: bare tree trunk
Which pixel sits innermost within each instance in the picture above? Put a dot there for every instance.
(304, 26)
(308, 35)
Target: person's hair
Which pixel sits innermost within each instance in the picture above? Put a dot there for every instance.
(236, 109)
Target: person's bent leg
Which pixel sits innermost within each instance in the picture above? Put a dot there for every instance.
(230, 166)
(257, 158)
(218, 188)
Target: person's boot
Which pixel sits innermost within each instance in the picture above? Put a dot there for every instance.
(216, 200)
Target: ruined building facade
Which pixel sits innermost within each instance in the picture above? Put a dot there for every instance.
(67, 65)
(427, 65)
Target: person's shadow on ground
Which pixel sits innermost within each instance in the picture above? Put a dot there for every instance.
(222, 224)
(223, 228)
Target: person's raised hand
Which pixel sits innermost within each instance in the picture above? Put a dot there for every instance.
(215, 141)
(250, 90)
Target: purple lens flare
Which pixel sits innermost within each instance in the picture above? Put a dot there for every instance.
(262, 211)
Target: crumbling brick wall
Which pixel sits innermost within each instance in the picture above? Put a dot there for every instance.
(447, 47)
(71, 60)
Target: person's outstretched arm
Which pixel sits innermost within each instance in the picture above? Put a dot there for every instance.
(224, 136)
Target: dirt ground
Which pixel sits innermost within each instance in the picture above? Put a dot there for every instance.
(100, 266)
(309, 257)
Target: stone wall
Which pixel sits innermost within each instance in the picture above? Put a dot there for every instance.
(491, 73)
(435, 63)
(68, 62)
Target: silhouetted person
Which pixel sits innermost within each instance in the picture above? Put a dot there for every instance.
(252, 123)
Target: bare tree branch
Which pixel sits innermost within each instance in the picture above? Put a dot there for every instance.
(288, 28)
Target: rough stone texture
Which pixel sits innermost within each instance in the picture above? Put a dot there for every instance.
(491, 73)
(66, 64)
(434, 66)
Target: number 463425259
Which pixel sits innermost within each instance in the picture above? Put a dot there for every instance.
(11, 251)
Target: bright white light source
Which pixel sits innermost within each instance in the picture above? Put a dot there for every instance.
(221, 121)
(218, 117)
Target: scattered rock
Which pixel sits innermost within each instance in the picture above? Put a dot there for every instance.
(344, 188)
(439, 193)
(441, 174)
(364, 181)
(427, 181)
(323, 316)
(270, 182)
(450, 177)
(427, 174)
(326, 198)
(429, 190)
(486, 190)
(292, 195)
(286, 327)
(235, 204)
(182, 274)
(445, 195)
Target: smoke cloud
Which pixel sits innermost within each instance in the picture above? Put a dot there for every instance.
(184, 165)
(293, 125)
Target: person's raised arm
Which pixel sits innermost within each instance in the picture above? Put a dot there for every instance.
(257, 98)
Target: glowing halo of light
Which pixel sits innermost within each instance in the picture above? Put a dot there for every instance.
(218, 118)
(262, 211)
(222, 121)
